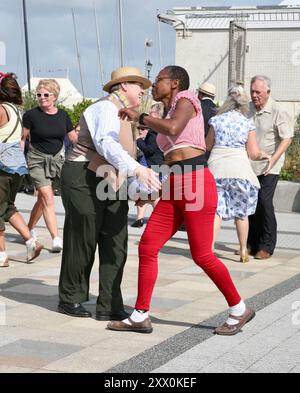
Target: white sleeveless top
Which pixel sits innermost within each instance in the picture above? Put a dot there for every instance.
(6, 130)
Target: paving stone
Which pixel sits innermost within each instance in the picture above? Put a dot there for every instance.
(34, 354)
(183, 296)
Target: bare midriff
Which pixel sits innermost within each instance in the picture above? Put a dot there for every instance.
(181, 154)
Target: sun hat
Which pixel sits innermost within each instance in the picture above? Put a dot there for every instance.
(126, 74)
(208, 88)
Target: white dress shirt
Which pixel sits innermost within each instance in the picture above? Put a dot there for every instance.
(104, 125)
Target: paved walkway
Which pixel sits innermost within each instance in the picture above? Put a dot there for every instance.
(186, 307)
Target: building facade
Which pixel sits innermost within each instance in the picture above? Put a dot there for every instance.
(227, 45)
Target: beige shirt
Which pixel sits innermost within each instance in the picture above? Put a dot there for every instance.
(273, 124)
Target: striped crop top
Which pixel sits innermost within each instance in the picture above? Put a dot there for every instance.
(192, 135)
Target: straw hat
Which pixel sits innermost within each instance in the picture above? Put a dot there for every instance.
(127, 74)
(208, 88)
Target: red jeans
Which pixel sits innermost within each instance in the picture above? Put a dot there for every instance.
(164, 222)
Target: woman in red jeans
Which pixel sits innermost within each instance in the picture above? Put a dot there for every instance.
(192, 200)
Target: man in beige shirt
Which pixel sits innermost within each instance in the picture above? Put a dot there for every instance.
(274, 134)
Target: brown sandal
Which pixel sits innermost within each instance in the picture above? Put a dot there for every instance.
(230, 330)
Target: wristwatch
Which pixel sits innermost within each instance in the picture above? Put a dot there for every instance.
(141, 118)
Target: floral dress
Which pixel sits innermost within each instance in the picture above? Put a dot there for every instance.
(237, 196)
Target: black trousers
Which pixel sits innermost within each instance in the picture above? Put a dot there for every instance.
(263, 224)
(90, 222)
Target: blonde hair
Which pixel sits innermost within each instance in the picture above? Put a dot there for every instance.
(237, 100)
(49, 84)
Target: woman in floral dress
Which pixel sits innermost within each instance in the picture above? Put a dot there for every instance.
(232, 141)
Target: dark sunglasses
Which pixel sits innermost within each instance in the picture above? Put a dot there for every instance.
(46, 95)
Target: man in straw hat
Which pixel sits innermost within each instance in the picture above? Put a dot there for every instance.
(92, 217)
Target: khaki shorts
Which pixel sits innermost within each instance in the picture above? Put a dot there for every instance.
(45, 169)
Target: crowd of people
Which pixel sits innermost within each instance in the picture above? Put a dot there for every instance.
(227, 158)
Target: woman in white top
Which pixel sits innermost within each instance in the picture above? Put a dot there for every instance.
(12, 167)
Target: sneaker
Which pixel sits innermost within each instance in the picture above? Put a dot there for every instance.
(57, 244)
(33, 234)
(33, 250)
(4, 261)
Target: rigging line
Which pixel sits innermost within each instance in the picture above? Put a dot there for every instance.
(127, 41)
(78, 53)
(99, 47)
(113, 48)
(120, 13)
(159, 39)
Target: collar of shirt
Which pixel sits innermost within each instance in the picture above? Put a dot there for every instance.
(266, 109)
(207, 98)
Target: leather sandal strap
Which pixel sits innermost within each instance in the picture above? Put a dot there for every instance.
(236, 318)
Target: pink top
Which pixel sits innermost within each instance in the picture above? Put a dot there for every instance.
(192, 135)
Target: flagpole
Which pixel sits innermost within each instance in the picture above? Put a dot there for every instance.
(26, 45)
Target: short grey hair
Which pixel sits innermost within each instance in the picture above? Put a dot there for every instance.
(262, 78)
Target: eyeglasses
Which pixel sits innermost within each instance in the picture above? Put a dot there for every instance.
(42, 95)
(161, 78)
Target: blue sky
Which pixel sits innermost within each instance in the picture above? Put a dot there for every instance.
(52, 42)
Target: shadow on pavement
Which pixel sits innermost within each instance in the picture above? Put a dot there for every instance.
(159, 321)
(42, 295)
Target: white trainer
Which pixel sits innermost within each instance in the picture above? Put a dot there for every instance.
(57, 244)
(4, 261)
(34, 249)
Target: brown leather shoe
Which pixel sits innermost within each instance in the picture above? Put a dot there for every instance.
(138, 327)
(230, 330)
(262, 254)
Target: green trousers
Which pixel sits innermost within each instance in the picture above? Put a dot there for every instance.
(90, 222)
(9, 186)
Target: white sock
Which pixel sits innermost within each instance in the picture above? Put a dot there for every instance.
(236, 311)
(33, 234)
(137, 316)
(3, 255)
(30, 241)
